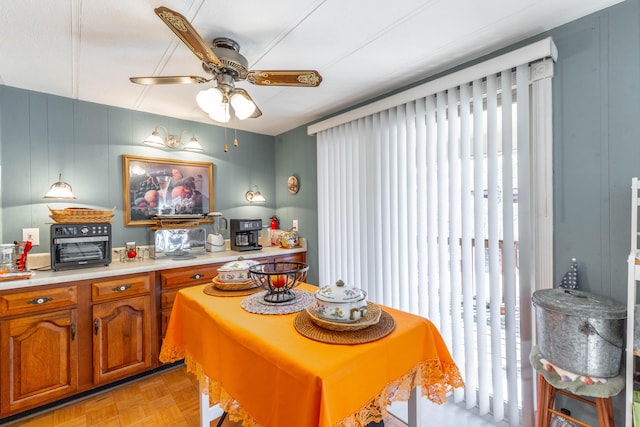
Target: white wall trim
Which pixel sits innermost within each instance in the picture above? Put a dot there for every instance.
(545, 48)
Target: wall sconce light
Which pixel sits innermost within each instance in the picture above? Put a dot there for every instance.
(172, 141)
(60, 190)
(255, 196)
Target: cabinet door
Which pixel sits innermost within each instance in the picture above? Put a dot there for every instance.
(121, 338)
(38, 360)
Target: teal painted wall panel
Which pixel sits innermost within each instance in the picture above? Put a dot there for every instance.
(623, 134)
(296, 155)
(37, 148)
(91, 148)
(578, 108)
(14, 117)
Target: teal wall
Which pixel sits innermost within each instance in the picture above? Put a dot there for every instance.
(596, 106)
(42, 135)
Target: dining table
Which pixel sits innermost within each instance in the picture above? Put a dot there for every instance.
(267, 366)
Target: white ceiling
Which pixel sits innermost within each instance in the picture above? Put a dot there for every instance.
(88, 49)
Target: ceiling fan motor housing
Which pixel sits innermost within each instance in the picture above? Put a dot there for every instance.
(227, 51)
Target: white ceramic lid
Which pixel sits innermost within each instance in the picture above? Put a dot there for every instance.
(340, 293)
(238, 265)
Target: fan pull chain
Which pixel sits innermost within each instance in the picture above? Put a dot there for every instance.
(235, 130)
(226, 147)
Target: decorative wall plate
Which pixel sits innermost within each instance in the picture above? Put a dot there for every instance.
(293, 185)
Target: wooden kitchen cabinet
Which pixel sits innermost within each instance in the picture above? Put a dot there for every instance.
(38, 351)
(121, 328)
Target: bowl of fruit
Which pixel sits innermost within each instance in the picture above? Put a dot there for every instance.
(279, 279)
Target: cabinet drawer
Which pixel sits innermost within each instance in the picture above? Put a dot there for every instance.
(295, 257)
(25, 302)
(188, 277)
(167, 298)
(124, 287)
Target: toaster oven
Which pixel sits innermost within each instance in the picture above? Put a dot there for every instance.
(80, 245)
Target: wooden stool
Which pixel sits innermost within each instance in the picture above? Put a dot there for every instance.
(547, 398)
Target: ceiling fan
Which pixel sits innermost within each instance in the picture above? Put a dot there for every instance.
(227, 66)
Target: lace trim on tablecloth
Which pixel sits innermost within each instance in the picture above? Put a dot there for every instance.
(219, 396)
(170, 354)
(435, 378)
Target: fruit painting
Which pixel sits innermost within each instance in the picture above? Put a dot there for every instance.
(165, 187)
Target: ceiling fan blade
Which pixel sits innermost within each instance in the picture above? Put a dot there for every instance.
(308, 78)
(166, 80)
(189, 36)
(257, 112)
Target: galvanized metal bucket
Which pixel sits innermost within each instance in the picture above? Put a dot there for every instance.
(580, 332)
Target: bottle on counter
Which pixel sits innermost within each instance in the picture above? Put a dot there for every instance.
(265, 236)
(274, 236)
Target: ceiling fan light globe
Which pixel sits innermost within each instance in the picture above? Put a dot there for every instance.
(242, 106)
(208, 99)
(220, 113)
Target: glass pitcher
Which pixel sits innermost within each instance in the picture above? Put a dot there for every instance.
(218, 221)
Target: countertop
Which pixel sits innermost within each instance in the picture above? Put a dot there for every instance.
(117, 268)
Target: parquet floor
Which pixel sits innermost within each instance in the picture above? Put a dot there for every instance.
(165, 399)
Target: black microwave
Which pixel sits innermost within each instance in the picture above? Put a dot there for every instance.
(80, 245)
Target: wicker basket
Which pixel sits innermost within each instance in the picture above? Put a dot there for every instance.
(81, 215)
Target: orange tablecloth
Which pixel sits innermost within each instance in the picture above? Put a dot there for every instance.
(264, 372)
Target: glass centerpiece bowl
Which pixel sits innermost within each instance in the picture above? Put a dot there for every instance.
(279, 279)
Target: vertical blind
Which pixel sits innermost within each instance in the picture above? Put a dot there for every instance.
(418, 205)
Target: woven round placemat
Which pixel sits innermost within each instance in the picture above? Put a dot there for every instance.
(256, 303)
(210, 289)
(305, 326)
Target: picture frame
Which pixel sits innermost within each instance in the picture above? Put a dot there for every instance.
(175, 188)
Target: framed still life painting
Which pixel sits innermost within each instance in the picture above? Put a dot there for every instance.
(174, 188)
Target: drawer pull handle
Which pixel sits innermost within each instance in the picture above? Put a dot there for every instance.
(197, 276)
(96, 326)
(73, 332)
(39, 301)
(121, 288)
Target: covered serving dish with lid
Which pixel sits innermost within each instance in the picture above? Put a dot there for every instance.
(340, 303)
(236, 271)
